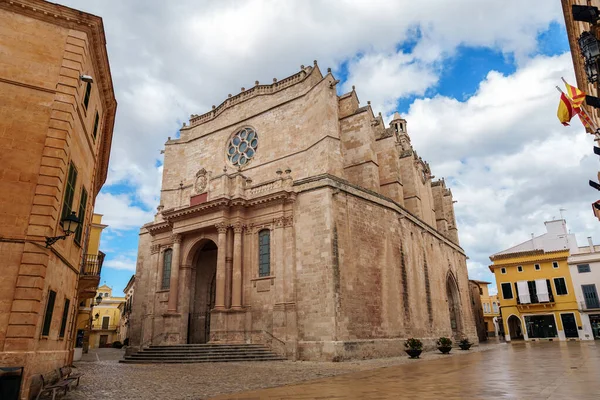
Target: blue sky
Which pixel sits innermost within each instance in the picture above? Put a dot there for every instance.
(478, 95)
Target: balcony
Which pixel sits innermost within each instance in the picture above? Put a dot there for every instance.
(89, 277)
(105, 328)
(535, 302)
(589, 305)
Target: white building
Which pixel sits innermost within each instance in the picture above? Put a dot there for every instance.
(584, 266)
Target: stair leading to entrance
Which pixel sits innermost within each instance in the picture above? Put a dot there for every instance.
(197, 353)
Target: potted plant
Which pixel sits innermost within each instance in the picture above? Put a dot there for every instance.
(465, 344)
(444, 345)
(414, 347)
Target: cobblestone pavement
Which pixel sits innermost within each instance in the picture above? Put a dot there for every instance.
(532, 370)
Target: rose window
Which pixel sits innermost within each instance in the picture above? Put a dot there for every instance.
(242, 147)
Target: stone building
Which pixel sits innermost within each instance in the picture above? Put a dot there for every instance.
(106, 318)
(295, 217)
(56, 122)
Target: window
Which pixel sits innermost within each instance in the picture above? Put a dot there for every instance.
(591, 296)
(520, 268)
(49, 312)
(105, 294)
(480, 291)
(166, 278)
(583, 268)
(105, 322)
(537, 267)
(69, 191)
(264, 253)
(495, 307)
(554, 264)
(242, 147)
(502, 270)
(86, 98)
(82, 208)
(65, 316)
(486, 308)
(96, 122)
(507, 291)
(560, 285)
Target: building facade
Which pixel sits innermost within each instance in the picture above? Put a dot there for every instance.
(92, 267)
(56, 124)
(535, 288)
(292, 216)
(583, 38)
(585, 274)
(477, 307)
(105, 322)
(490, 307)
(125, 310)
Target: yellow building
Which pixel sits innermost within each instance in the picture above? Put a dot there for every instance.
(535, 288)
(89, 280)
(491, 308)
(105, 322)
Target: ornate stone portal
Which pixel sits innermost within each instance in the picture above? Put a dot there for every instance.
(326, 240)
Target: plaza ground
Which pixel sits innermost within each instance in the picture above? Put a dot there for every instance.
(549, 370)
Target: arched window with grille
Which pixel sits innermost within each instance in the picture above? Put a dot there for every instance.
(264, 253)
(166, 272)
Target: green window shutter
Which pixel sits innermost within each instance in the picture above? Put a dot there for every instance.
(96, 122)
(69, 191)
(264, 253)
(86, 97)
(81, 216)
(65, 316)
(166, 278)
(49, 312)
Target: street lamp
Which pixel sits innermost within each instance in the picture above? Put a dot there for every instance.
(69, 225)
(99, 299)
(590, 49)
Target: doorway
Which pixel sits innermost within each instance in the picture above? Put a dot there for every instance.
(103, 340)
(569, 325)
(203, 291)
(514, 327)
(453, 306)
(541, 326)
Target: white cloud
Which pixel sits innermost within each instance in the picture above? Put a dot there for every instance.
(120, 213)
(121, 262)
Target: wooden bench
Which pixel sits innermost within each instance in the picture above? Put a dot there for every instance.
(66, 373)
(53, 388)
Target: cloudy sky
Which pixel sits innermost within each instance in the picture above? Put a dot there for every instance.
(474, 79)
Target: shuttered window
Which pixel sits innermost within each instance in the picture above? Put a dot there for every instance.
(49, 312)
(82, 208)
(264, 253)
(166, 278)
(560, 285)
(96, 122)
(69, 192)
(507, 291)
(65, 316)
(86, 97)
(582, 268)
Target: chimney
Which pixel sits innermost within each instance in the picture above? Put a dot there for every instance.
(591, 244)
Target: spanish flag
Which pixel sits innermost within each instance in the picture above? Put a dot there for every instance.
(576, 95)
(565, 110)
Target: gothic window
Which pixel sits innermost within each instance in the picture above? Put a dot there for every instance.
(242, 147)
(264, 253)
(166, 277)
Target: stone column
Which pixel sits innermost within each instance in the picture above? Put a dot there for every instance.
(173, 289)
(236, 290)
(221, 266)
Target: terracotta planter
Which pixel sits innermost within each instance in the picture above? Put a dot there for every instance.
(413, 353)
(465, 346)
(445, 349)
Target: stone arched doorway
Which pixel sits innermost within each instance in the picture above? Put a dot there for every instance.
(515, 330)
(453, 306)
(202, 293)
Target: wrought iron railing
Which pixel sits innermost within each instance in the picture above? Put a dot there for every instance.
(92, 264)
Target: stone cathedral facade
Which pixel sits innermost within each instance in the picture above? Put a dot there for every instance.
(294, 217)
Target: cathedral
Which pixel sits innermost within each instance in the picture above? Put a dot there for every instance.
(291, 216)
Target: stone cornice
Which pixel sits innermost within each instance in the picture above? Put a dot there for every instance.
(159, 227)
(257, 90)
(327, 180)
(541, 255)
(92, 25)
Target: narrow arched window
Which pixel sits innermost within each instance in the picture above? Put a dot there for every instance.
(264, 253)
(166, 277)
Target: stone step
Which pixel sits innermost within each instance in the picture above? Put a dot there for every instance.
(191, 361)
(193, 353)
